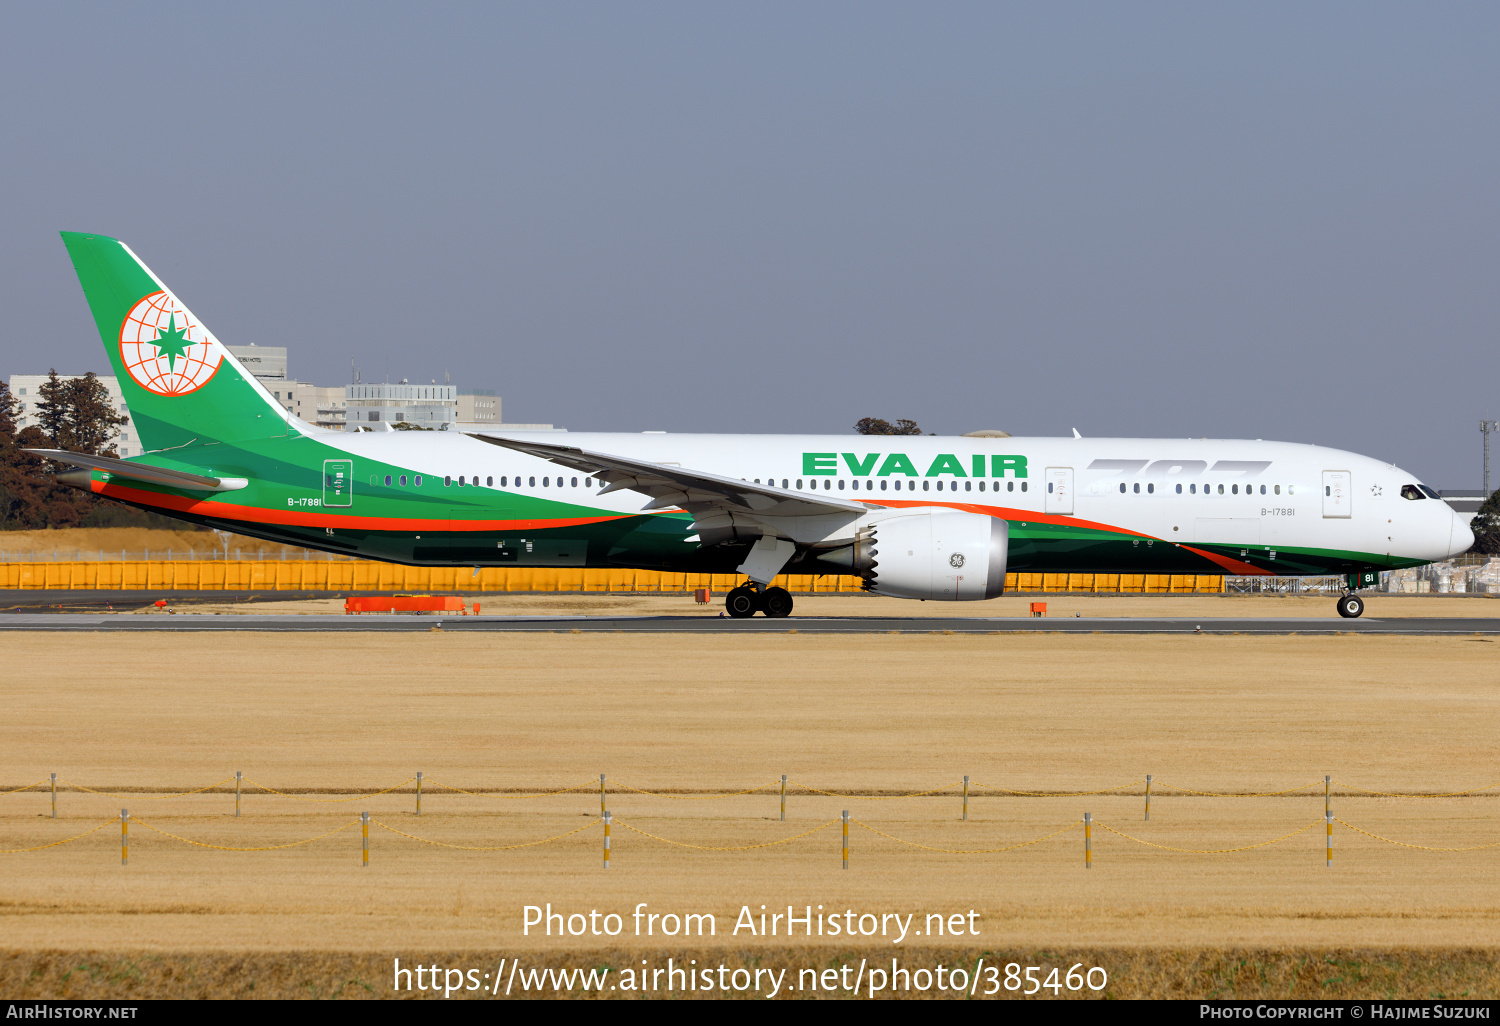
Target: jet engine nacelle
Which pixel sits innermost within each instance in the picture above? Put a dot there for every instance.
(931, 554)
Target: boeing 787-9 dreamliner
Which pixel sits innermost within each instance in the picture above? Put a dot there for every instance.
(915, 517)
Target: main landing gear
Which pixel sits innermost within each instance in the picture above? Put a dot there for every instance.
(1350, 605)
(748, 599)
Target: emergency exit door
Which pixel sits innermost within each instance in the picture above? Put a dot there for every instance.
(1336, 497)
(338, 482)
(1059, 497)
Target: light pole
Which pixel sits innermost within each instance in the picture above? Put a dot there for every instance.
(1485, 427)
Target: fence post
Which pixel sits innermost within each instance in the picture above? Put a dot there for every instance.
(419, 792)
(1088, 840)
(601, 794)
(966, 797)
(783, 797)
(1329, 817)
(238, 776)
(54, 796)
(124, 837)
(607, 818)
(1148, 796)
(846, 838)
(1327, 800)
(364, 819)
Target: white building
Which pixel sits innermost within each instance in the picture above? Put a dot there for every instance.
(24, 388)
(478, 406)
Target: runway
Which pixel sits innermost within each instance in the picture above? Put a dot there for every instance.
(703, 624)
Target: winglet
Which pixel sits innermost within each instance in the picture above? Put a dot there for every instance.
(1076, 434)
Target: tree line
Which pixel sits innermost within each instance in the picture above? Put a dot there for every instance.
(76, 415)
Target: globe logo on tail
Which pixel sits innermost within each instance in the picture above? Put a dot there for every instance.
(164, 349)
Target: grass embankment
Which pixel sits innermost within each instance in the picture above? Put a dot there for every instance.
(1240, 973)
(94, 543)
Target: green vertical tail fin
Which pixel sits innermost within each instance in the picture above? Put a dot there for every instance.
(180, 383)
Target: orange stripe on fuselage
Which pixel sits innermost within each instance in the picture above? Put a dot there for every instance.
(1234, 566)
(297, 518)
(1009, 513)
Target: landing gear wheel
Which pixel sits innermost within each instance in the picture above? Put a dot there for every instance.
(742, 602)
(777, 602)
(1351, 606)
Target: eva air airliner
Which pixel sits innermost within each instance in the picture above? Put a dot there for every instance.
(915, 517)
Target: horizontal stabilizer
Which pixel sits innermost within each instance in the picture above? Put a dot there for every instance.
(144, 472)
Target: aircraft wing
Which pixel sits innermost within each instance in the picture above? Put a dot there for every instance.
(143, 471)
(692, 490)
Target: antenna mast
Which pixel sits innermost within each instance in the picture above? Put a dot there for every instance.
(1485, 427)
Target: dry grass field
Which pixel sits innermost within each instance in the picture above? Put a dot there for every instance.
(344, 714)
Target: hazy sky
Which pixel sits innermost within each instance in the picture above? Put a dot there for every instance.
(1253, 220)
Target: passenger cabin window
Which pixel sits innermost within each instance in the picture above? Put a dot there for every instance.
(447, 481)
(532, 482)
(460, 480)
(387, 480)
(1409, 491)
(1179, 489)
(417, 481)
(403, 480)
(489, 482)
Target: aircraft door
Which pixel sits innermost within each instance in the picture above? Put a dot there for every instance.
(1336, 493)
(1059, 497)
(338, 482)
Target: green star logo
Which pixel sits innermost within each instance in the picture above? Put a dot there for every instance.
(172, 343)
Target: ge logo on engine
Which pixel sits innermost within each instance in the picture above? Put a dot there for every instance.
(956, 560)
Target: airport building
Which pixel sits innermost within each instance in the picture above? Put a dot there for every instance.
(335, 407)
(316, 404)
(434, 407)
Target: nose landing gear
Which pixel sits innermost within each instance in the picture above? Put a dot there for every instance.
(1350, 605)
(746, 600)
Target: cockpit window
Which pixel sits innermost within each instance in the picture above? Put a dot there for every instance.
(1411, 491)
(1430, 493)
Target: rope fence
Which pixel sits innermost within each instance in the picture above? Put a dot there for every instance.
(779, 791)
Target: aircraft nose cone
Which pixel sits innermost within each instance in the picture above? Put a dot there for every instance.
(1462, 538)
